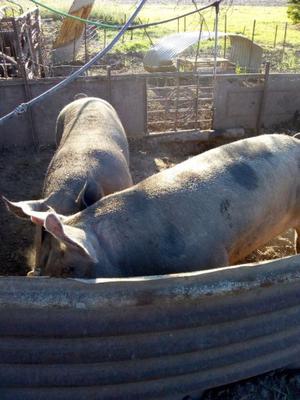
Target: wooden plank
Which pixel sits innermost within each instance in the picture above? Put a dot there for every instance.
(68, 40)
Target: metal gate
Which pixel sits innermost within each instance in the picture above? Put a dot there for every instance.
(179, 101)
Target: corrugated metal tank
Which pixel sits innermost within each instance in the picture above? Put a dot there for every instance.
(161, 337)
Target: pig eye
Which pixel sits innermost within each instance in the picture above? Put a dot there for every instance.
(68, 270)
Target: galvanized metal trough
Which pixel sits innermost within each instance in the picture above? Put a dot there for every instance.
(160, 337)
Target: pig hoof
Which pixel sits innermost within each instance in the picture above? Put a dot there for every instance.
(34, 272)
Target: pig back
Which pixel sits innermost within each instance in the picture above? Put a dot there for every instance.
(208, 211)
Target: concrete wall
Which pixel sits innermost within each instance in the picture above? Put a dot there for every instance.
(125, 94)
(238, 100)
(237, 103)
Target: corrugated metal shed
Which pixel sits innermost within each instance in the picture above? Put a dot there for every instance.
(161, 57)
(245, 53)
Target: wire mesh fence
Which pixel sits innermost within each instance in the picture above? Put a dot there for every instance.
(21, 45)
(277, 39)
(181, 102)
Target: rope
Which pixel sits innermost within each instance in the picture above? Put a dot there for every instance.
(22, 108)
(117, 27)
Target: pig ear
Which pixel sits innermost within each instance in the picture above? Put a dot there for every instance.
(25, 209)
(71, 236)
(89, 194)
(38, 218)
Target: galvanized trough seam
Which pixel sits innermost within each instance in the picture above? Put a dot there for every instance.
(147, 390)
(108, 373)
(33, 354)
(142, 346)
(208, 355)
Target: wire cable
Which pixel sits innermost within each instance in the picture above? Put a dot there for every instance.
(117, 27)
(22, 108)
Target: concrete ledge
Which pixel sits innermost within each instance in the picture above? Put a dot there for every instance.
(206, 137)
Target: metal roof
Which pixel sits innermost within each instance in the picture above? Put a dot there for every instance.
(162, 54)
(160, 57)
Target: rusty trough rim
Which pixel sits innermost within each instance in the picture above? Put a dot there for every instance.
(119, 292)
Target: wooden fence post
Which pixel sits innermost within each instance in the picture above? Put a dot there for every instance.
(177, 95)
(251, 49)
(145, 31)
(108, 75)
(85, 46)
(261, 110)
(225, 37)
(284, 40)
(275, 37)
(123, 37)
(104, 37)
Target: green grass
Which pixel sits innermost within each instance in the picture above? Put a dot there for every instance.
(239, 20)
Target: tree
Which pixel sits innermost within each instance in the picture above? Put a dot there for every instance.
(294, 10)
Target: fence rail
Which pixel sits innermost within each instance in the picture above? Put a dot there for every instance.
(179, 102)
(21, 46)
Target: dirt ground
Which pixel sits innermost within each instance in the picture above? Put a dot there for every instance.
(21, 176)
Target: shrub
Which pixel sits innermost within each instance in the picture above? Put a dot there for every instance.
(294, 10)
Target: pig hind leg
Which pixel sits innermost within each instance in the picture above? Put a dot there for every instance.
(297, 239)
